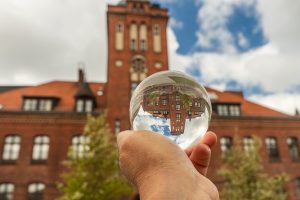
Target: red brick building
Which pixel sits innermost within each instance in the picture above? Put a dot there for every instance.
(173, 105)
(39, 123)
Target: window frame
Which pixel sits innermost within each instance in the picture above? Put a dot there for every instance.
(248, 143)
(78, 146)
(84, 105)
(7, 190)
(42, 157)
(38, 193)
(272, 149)
(12, 151)
(38, 104)
(227, 144)
(293, 147)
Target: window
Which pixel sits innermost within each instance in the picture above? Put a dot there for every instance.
(84, 105)
(40, 148)
(133, 44)
(31, 104)
(164, 102)
(298, 187)
(119, 36)
(78, 142)
(11, 148)
(226, 144)
(177, 107)
(143, 37)
(272, 149)
(133, 36)
(228, 110)
(117, 126)
(222, 110)
(248, 143)
(6, 191)
(119, 28)
(133, 86)
(156, 39)
(178, 117)
(143, 45)
(177, 98)
(156, 30)
(35, 191)
(234, 110)
(292, 143)
(138, 71)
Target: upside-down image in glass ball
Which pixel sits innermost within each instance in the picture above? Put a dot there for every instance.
(173, 104)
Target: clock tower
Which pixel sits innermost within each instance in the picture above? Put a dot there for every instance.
(137, 48)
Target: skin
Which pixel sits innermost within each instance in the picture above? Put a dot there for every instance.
(161, 170)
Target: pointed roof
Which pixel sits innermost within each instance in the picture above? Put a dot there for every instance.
(84, 91)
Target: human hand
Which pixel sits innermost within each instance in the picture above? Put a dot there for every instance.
(200, 153)
(161, 170)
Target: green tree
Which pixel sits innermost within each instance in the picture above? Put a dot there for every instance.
(94, 175)
(244, 177)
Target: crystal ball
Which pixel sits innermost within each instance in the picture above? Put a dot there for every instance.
(172, 104)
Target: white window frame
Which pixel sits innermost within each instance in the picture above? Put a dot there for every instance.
(7, 190)
(40, 148)
(11, 148)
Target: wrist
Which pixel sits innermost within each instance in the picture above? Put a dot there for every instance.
(166, 184)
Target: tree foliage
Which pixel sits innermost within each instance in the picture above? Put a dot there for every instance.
(244, 177)
(94, 175)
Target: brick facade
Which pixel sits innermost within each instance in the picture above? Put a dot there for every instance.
(63, 122)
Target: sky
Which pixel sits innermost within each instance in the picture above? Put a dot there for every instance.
(248, 45)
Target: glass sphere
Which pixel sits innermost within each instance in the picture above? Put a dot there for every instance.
(173, 104)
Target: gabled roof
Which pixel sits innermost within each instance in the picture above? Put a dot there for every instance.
(248, 108)
(64, 90)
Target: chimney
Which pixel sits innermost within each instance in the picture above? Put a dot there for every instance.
(81, 78)
(297, 113)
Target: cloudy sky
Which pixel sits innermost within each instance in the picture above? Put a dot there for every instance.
(249, 45)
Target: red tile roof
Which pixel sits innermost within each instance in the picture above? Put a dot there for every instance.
(248, 108)
(64, 90)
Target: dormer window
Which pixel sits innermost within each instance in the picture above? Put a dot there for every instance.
(44, 104)
(223, 109)
(84, 105)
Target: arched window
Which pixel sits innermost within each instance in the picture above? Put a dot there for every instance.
(40, 148)
(11, 148)
(35, 191)
(78, 142)
(225, 144)
(6, 191)
(119, 41)
(292, 143)
(133, 36)
(272, 148)
(143, 37)
(248, 143)
(138, 71)
(156, 38)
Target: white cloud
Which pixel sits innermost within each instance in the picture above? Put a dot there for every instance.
(175, 24)
(274, 67)
(242, 40)
(284, 102)
(44, 40)
(213, 18)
